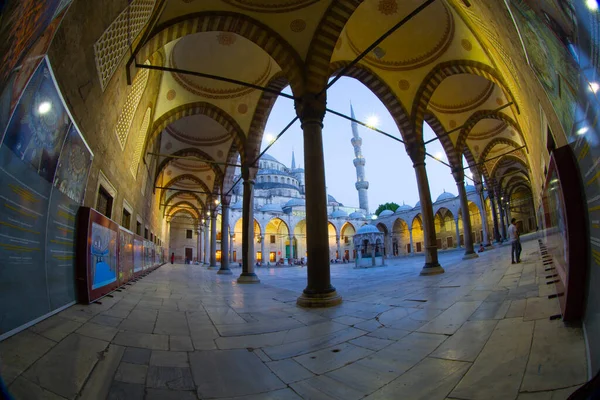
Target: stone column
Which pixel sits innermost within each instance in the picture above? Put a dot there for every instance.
(412, 247)
(262, 250)
(495, 217)
(198, 246)
(213, 240)
(417, 155)
(248, 275)
(501, 208)
(339, 247)
(318, 292)
(292, 248)
(224, 270)
(457, 233)
(484, 218)
(231, 246)
(372, 254)
(206, 244)
(459, 177)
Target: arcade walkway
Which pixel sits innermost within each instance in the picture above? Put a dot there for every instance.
(479, 331)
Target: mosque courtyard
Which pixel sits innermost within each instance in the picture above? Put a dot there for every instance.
(482, 330)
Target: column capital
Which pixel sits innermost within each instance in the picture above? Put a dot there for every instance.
(459, 174)
(311, 109)
(249, 173)
(479, 187)
(416, 152)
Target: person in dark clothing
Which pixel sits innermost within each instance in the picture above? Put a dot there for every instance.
(172, 258)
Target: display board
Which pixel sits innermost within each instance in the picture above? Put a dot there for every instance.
(126, 255)
(44, 167)
(138, 255)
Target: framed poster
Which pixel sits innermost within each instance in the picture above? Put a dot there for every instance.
(126, 255)
(138, 254)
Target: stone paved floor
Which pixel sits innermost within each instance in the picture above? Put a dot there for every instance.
(479, 331)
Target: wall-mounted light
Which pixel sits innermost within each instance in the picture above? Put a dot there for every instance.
(44, 107)
(217, 201)
(583, 130)
(594, 86)
(592, 5)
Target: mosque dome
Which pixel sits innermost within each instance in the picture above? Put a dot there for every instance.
(367, 229)
(331, 199)
(403, 208)
(417, 205)
(267, 157)
(339, 214)
(271, 208)
(470, 188)
(445, 196)
(357, 215)
(237, 206)
(296, 202)
(386, 213)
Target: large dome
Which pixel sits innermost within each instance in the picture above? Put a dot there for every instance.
(403, 208)
(470, 188)
(386, 213)
(237, 206)
(267, 157)
(367, 229)
(295, 203)
(339, 214)
(418, 205)
(357, 215)
(445, 196)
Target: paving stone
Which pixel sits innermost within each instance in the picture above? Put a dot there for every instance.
(135, 355)
(369, 325)
(143, 340)
(389, 333)
(325, 388)
(106, 320)
(541, 308)
(283, 394)
(498, 371)
(289, 371)
(246, 374)
(169, 358)
(262, 355)
(102, 332)
(516, 309)
(126, 391)
(371, 343)
(467, 342)
(22, 389)
(253, 341)
(131, 373)
(119, 312)
(162, 394)
(180, 343)
(451, 320)
(348, 320)
(65, 368)
(430, 379)
(555, 346)
(173, 378)
(332, 358)
(172, 323)
(19, 352)
(55, 328)
(490, 310)
(99, 382)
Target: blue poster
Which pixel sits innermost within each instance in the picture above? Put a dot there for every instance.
(104, 255)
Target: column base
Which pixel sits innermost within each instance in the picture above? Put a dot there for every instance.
(470, 256)
(248, 277)
(213, 267)
(224, 271)
(432, 270)
(319, 300)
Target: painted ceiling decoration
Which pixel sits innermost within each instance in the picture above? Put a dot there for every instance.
(270, 6)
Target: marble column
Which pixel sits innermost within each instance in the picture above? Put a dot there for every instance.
(231, 246)
(412, 246)
(318, 292)
(198, 246)
(459, 177)
(495, 217)
(224, 270)
(432, 265)
(339, 247)
(372, 254)
(457, 233)
(502, 217)
(262, 250)
(292, 248)
(484, 218)
(248, 275)
(206, 243)
(213, 240)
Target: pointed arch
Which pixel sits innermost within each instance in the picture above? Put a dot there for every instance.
(486, 114)
(507, 157)
(494, 142)
(445, 140)
(179, 193)
(183, 177)
(188, 206)
(190, 151)
(183, 211)
(260, 34)
(442, 71)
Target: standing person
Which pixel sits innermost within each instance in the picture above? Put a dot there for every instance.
(515, 242)
(172, 258)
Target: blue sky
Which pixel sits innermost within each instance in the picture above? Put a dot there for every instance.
(388, 168)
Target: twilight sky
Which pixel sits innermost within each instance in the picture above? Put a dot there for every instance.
(388, 168)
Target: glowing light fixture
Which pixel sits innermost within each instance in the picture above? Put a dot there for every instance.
(594, 86)
(439, 155)
(582, 131)
(592, 5)
(269, 138)
(44, 107)
(372, 121)
(374, 216)
(217, 201)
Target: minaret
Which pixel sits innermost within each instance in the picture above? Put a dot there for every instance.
(359, 163)
(293, 161)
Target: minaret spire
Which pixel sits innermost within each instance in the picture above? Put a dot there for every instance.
(362, 185)
(293, 161)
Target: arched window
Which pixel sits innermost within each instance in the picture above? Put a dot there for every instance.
(276, 180)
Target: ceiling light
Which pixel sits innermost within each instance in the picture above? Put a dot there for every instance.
(44, 107)
(217, 201)
(594, 86)
(592, 5)
(582, 131)
(372, 121)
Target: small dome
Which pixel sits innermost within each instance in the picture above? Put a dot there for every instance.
(445, 196)
(418, 205)
(271, 208)
(386, 213)
(339, 214)
(403, 208)
(237, 206)
(331, 199)
(357, 215)
(470, 188)
(295, 203)
(367, 229)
